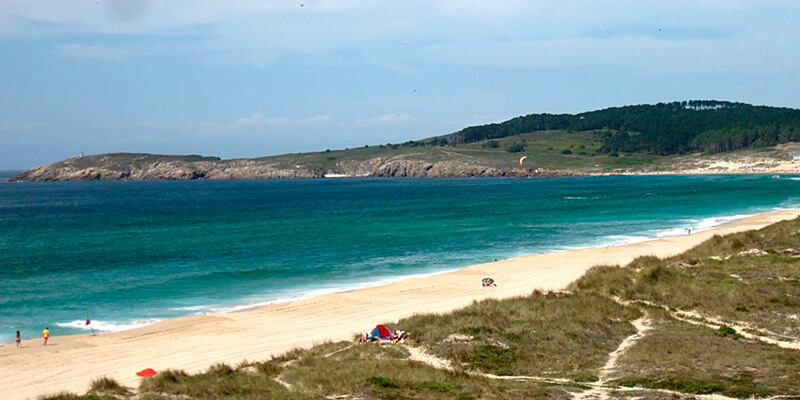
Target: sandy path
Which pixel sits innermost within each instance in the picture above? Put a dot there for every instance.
(194, 343)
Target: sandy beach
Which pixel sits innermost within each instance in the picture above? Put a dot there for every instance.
(194, 343)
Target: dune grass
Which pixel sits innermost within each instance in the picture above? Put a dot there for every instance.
(542, 334)
(338, 370)
(692, 359)
(108, 386)
(220, 381)
(73, 396)
(722, 278)
(101, 389)
(716, 278)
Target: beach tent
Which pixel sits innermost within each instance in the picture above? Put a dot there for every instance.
(381, 331)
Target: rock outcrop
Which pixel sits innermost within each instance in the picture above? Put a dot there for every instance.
(125, 166)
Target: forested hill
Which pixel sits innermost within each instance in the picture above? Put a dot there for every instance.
(663, 128)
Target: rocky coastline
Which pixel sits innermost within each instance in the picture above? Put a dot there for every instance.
(143, 167)
(110, 167)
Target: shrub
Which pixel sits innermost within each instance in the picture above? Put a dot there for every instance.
(517, 147)
(220, 370)
(725, 330)
(382, 382)
(491, 144)
(566, 151)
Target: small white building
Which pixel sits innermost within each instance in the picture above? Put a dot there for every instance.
(795, 156)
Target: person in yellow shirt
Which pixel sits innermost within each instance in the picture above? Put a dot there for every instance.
(46, 335)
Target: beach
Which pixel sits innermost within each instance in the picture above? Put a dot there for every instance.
(194, 343)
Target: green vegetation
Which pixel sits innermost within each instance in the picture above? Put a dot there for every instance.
(556, 344)
(721, 278)
(663, 128)
(517, 146)
(691, 359)
(108, 387)
(541, 334)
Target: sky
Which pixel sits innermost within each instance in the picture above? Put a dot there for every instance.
(248, 78)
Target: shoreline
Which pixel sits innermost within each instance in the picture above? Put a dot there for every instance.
(194, 343)
(380, 281)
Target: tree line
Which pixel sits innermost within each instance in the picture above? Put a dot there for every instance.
(663, 128)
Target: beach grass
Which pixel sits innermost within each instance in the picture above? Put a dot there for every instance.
(339, 370)
(751, 277)
(748, 279)
(73, 396)
(108, 386)
(544, 334)
(219, 381)
(694, 359)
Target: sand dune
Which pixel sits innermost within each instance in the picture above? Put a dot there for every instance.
(194, 343)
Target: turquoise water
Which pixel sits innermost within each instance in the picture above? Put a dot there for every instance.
(130, 253)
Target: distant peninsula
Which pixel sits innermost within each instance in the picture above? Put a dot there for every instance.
(699, 136)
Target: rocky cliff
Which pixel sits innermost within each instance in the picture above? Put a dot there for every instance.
(126, 166)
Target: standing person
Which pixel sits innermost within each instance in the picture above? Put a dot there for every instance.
(19, 341)
(46, 335)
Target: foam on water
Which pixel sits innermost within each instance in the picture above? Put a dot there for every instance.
(106, 326)
(673, 232)
(715, 222)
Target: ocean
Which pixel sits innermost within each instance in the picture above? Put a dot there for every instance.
(132, 253)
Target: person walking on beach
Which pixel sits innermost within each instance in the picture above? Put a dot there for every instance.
(46, 335)
(19, 341)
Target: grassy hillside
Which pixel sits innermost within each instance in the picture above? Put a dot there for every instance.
(663, 128)
(720, 318)
(544, 149)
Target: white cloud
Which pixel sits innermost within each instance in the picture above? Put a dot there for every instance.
(258, 120)
(386, 119)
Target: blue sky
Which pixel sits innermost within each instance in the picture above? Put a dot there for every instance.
(251, 78)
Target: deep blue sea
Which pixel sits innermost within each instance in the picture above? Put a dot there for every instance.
(130, 253)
